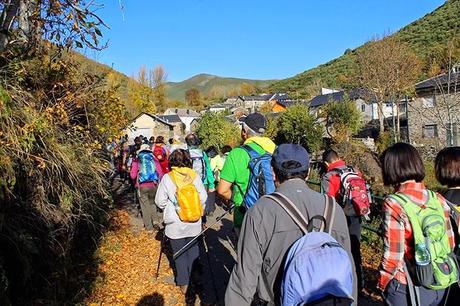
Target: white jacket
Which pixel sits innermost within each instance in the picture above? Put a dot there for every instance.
(165, 199)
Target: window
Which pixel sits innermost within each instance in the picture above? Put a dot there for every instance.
(430, 131)
(428, 102)
(363, 108)
(402, 108)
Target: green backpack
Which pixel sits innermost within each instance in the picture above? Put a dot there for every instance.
(435, 265)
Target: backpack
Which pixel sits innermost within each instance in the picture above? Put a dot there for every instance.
(188, 206)
(355, 191)
(260, 178)
(160, 153)
(147, 170)
(198, 163)
(435, 267)
(454, 220)
(309, 276)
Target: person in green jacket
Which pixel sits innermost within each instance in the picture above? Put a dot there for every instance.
(234, 177)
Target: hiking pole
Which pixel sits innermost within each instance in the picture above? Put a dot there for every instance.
(161, 252)
(185, 247)
(206, 249)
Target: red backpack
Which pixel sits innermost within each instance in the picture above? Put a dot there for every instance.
(354, 190)
(160, 153)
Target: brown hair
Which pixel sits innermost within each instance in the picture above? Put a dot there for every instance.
(180, 158)
(160, 139)
(447, 166)
(401, 162)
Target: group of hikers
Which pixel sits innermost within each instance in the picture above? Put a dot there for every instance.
(297, 246)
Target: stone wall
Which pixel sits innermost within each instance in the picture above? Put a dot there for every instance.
(419, 116)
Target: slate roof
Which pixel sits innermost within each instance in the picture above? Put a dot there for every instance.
(337, 97)
(154, 117)
(183, 112)
(439, 80)
(170, 118)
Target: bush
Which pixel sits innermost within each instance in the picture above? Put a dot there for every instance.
(214, 130)
(296, 125)
(53, 186)
(344, 118)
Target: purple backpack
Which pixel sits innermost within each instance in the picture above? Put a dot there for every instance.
(317, 267)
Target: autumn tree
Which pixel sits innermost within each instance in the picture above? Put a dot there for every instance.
(343, 119)
(193, 97)
(66, 23)
(158, 83)
(387, 70)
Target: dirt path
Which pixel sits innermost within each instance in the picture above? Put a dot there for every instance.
(128, 257)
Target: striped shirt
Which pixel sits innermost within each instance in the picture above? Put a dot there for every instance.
(398, 241)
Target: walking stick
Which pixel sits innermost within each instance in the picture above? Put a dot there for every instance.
(185, 247)
(161, 252)
(206, 249)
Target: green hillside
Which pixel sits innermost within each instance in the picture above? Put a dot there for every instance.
(210, 85)
(423, 35)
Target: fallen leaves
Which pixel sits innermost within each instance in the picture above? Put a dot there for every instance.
(127, 268)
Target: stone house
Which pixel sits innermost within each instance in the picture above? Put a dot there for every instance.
(254, 103)
(175, 120)
(434, 113)
(150, 125)
(186, 116)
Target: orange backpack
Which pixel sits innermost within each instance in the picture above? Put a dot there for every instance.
(188, 206)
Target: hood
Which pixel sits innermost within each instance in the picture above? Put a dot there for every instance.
(337, 164)
(264, 142)
(182, 176)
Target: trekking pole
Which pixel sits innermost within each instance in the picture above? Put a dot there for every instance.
(161, 252)
(185, 247)
(206, 249)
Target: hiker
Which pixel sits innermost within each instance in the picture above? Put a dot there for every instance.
(447, 169)
(225, 151)
(236, 172)
(216, 162)
(145, 178)
(333, 185)
(179, 228)
(152, 142)
(268, 232)
(202, 166)
(161, 155)
(417, 266)
(177, 144)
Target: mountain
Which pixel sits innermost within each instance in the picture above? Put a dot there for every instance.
(423, 35)
(209, 84)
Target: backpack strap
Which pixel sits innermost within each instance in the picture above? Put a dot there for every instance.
(329, 214)
(252, 153)
(290, 209)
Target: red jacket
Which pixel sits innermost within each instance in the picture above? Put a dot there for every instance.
(331, 180)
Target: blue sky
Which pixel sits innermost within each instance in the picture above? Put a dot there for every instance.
(256, 39)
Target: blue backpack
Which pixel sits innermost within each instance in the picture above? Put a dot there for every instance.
(147, 170)
(260, 179)
(309, 277)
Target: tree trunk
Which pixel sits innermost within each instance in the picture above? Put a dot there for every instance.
(10, 11)
(398, 124)
(381, 117)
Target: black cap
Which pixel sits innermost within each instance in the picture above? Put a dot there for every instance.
(288, 155)
(256, 122)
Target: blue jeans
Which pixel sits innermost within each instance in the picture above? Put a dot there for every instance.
(397, 294)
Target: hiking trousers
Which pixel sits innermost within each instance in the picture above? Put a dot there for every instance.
(397, 294)
(150, 214)
(354, 227)
(185, 262)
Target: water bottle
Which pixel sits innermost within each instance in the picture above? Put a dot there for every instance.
(422, 255)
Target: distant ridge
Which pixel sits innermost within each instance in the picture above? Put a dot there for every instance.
(208, 83)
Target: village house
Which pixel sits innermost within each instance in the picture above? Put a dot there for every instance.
(254, 103)
(186, 116)
(149, 125)
(434, 113)
(175, 120)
